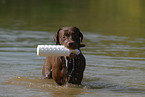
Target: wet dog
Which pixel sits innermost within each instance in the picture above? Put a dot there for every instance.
(65, 69)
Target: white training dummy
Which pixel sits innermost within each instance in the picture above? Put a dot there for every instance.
(55, 50)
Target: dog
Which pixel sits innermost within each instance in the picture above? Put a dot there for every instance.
(66, 69)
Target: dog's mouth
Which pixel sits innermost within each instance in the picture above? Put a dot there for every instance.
(73, 47)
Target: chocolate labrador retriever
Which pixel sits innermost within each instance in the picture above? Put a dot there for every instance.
(65, 69)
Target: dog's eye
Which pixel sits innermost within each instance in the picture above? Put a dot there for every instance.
(65, 36)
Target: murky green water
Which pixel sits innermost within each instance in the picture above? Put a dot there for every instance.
(114, 35)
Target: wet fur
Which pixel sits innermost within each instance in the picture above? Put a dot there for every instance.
(66, 69)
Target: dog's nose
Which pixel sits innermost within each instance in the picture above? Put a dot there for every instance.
(70, 44)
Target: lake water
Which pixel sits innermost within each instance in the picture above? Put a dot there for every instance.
(113, 32)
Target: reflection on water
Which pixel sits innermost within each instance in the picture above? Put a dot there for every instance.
(114, 35)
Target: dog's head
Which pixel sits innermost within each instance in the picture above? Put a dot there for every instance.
(71, 37)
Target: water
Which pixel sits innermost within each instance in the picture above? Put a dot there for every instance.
(113, 68)
(115, 47)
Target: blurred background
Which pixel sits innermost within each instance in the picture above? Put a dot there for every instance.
(114, 34)
(119, 17)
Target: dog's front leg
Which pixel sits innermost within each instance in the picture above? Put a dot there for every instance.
(46, 71)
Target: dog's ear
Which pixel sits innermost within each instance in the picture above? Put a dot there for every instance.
(56, 37)
(81, 44)
(80, 34)
(81, 37)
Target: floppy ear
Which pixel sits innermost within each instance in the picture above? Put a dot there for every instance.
(80, 34)
(56, 37)
(81, 38)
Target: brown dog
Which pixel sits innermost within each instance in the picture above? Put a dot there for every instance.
(66, 69)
